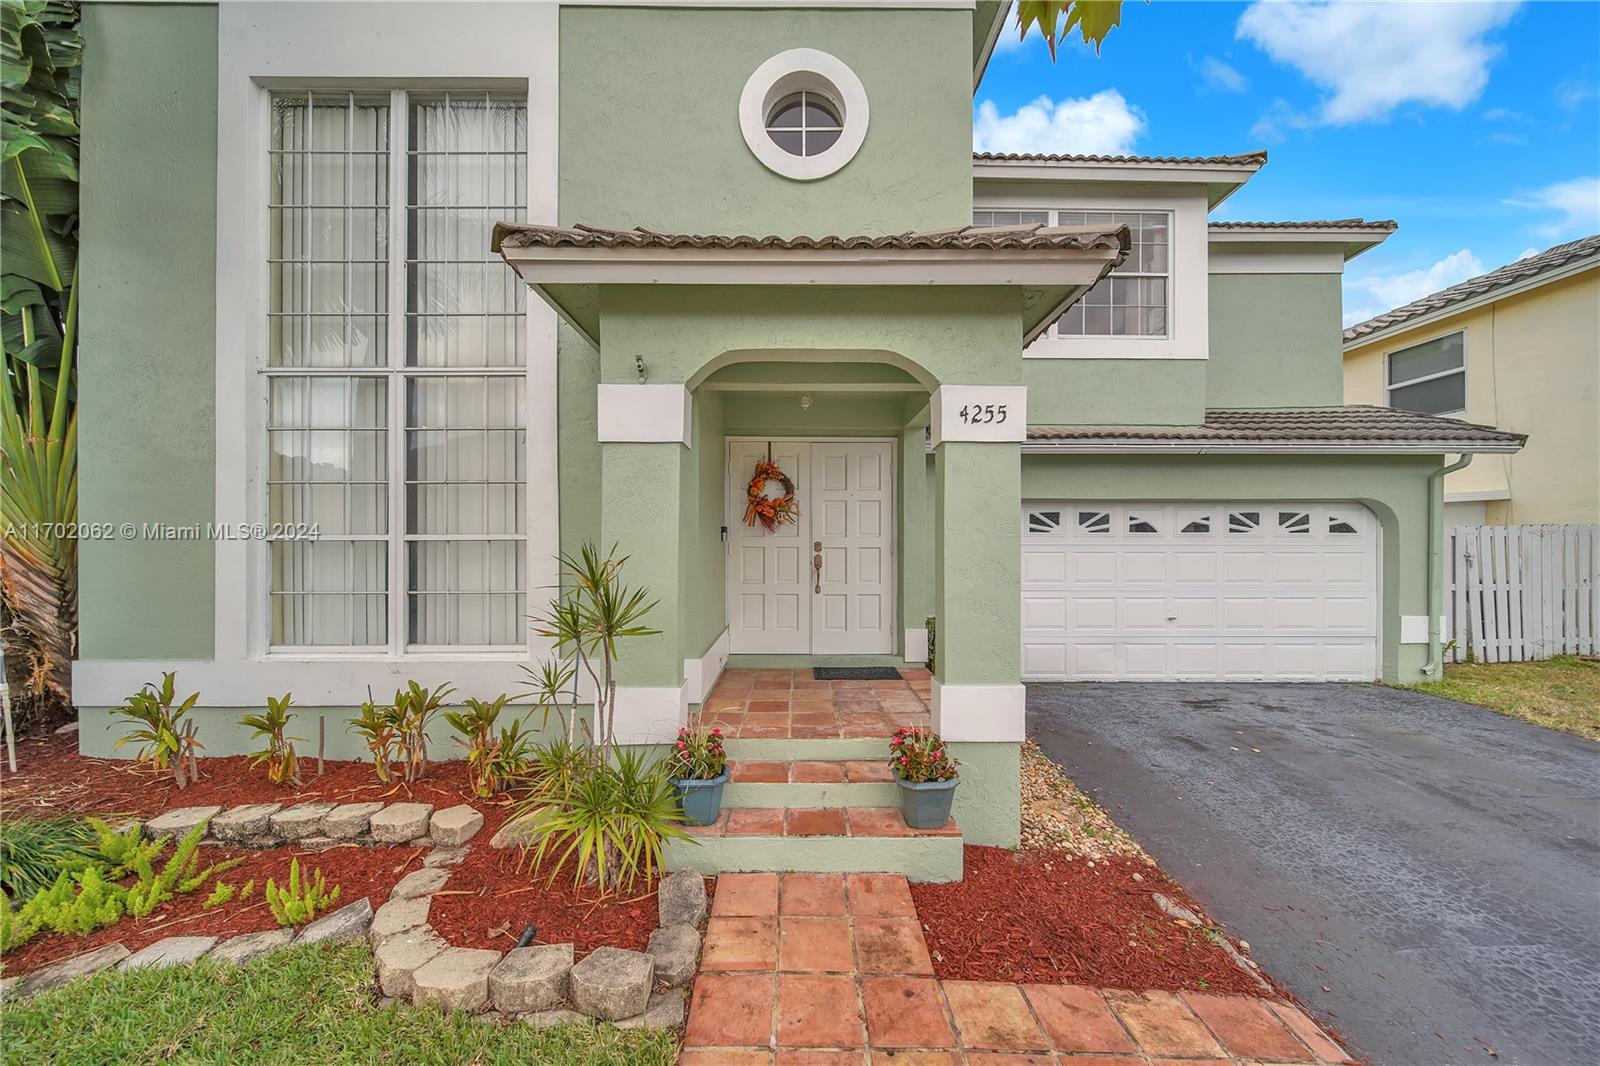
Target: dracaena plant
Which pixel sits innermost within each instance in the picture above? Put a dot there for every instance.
(595, 611)
(283, 766)
(164, 731)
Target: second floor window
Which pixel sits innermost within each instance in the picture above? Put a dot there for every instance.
(1133, 300)
(1430, 377)
(396, 355)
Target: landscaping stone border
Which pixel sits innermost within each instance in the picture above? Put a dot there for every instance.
(538, 985)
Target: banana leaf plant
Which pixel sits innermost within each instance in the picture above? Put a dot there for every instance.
(39, 79)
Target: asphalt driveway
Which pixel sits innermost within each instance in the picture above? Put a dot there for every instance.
(1423, 873)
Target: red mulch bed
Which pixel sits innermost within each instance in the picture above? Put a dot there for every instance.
(358, 871)
(491, 897)
(1040, 916)
(53, 779)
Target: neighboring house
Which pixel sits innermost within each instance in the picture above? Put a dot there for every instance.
(295, 316)
(1518, 347)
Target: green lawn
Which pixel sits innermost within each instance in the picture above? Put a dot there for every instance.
(1561, 693)
(302, 1005)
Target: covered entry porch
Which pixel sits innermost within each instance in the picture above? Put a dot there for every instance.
(883, 376)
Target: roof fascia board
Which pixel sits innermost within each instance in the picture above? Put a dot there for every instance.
(962, 267)
(1152, 447)
(1352, 241)
(991, 38)
(1474, 303)
(1083, 170)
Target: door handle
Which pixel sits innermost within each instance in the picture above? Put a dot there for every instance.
(816, 570)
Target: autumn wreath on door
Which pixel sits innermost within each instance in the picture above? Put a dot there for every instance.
(771, 511)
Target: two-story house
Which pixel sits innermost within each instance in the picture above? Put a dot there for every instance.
(1042, 401)
(1518, 347)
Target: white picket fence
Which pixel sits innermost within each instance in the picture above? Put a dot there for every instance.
(1517, 593)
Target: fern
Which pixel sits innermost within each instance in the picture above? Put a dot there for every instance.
(248, 890)
(300, 901)
(120, 849)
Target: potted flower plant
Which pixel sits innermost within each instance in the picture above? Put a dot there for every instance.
(699, 770)
(926, 775)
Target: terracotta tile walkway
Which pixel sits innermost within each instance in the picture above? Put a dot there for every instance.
(790, 703)
(832, 970)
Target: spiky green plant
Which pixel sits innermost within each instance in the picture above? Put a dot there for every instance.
(38, 323)
(610, 821)
(283, 767)
(221, 893)
(300, 900)
(35, 851)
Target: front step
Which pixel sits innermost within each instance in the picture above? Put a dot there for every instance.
(810, 783)
(819, 840)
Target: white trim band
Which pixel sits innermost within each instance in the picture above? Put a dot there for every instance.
(650, 715)
(700, 675)
(980, 712)
(916, 645)
(654, 414)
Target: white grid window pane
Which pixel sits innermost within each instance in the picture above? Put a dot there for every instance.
(986, 219)
(456, 478)
(328, 230)
(1132, 301)
(466, 170)
(466, 592)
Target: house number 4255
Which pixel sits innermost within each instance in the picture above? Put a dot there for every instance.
(982, 414)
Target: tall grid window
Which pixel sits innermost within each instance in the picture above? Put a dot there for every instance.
(1133, 300)
(397, 415)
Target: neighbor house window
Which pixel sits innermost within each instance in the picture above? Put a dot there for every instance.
(1133, 300)
(1430, 377)
(396, 354)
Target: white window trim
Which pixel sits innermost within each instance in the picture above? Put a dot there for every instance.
(807, 70)
(264, 46)
(1188, 283)
(1390, 353)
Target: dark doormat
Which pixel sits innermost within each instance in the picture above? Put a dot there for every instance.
(855, 673)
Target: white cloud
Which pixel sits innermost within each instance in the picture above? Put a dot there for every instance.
(1224, 76)
(1373, 57)
(1575, 202)
(1526, 252)
(1102, 124)
(1376, 293)
(1574, 91)
(1502, 114)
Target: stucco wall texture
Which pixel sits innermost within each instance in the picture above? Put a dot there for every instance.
(1533, 366)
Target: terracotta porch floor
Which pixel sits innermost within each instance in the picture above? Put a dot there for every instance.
(790, 703)
(833, 970)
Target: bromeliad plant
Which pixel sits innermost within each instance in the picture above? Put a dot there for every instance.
(918, 756)
(166, 739)
(494, 759)
(283, 767)
(697, 755)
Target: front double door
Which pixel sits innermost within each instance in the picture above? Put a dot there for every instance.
(823, 584)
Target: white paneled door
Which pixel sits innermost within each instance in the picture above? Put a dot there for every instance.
(824, 584)
(1197, 591)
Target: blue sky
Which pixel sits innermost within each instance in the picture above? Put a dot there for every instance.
(1476, 126)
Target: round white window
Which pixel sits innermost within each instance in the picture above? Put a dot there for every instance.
(804, 114)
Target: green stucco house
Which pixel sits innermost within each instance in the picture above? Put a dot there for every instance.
(392, 302)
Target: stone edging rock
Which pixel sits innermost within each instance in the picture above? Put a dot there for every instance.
(538, 985)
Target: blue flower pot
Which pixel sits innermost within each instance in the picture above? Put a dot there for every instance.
(926, 804)
(701, 800)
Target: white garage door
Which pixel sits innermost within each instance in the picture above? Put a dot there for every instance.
(1180, 591)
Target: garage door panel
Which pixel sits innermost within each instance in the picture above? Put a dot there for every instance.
(1044, 567)
(1226, 591)
(1044, 612)
(1093, 612)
